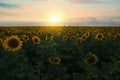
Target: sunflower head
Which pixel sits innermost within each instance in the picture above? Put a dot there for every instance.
(25, 38)
(36, 40)
(72, 37)
(65, 37)
(12, 43)
(54, 60)
(91, 59)
(79, 40)
(28, 33)
(2, 33)
(40, 33)
(58, 31)
(58, 34)
(70, 32)
(87, 34)
(20, 31)
(118, 36)
(1, 41)
(99, 36)
(84, 37)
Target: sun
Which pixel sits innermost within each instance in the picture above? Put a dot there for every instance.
(55, 19)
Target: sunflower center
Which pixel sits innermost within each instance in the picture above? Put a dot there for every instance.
(99, 36)
(26, 38)
(36, 40)
(87, 34)
(91, 60)
(56, 60)
(39, 33)
(83, 37)
(13, 43)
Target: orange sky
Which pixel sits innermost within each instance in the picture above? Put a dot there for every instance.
(67, 10)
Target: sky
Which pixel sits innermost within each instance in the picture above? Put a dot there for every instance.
(69, 12)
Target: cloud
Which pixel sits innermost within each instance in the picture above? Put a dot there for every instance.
(86, 1)
(94, 21)
(86, 21)
(115, 17)
(81, 22)
(6, 5)
(39, 0)
(107, 18)
(7, 14)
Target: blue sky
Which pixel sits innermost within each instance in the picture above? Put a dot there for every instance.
(70, 12)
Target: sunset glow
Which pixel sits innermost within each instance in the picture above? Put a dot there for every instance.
(66, 12)
(55, 19)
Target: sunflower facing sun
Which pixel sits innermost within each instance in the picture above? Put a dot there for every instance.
(12, 43)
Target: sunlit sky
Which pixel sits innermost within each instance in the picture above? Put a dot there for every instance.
(70, 12)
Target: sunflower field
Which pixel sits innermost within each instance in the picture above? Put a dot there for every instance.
(59, 53)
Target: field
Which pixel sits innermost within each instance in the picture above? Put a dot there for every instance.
(59, 53)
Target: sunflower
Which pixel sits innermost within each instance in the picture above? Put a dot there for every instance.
(29, 33)
(40, 33)
(14, 33)
(26, 38)
(2, 33)
(84, 37)
(54, 60)
(99, 36)
(118, 36)
(65, 37)
(1, 41)
(70, 32)
(58, 34)
(87, 34)
(79, 40)
(12, 43)
(36, 40)
(20, 31)
(72, 37)
(91, 59)
(9, 32)
(17, 32)
(58, 31)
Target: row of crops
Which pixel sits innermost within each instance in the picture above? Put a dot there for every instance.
(59, 53)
